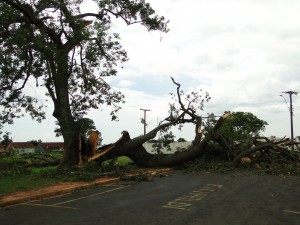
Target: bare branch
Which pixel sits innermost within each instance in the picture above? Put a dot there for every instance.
(188, 110)
(99, 16)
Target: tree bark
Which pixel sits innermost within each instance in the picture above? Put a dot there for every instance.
(134, 149)
(71, 156)
(270, 147)
(62, 112)
(237, 159)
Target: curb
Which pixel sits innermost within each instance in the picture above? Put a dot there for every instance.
(68, 187)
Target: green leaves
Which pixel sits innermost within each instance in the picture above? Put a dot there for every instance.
(134, 12)
(244, 124)
(50, 41)
(239, 130)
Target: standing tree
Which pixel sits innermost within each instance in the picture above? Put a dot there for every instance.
(52, 42)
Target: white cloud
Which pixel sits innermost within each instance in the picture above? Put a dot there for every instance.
(244, 53)
(125, 83)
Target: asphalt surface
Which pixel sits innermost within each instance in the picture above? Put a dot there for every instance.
(185, 199)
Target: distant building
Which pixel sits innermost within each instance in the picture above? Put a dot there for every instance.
(174, 147)
(19, 148)
(53, 146)
(3, 150)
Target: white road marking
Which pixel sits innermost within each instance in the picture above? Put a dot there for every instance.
(291, 211)
(185, 201)
(88, 196)
(65, 207)
(72, 200)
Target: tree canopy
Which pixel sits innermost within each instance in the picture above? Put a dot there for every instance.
(69, 54)
(38, 38)
(83, 124)
(242, 125)
(238, 132)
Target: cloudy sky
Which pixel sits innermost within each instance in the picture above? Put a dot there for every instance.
(245, 53)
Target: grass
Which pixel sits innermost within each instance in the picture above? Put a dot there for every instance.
(39, 170)
(120, 161)
(17, 183)
(123, 160)
(17, 178)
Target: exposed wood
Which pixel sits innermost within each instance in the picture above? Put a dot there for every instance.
(134, 149)
(96, 156)
(278, 149)
(237, 159)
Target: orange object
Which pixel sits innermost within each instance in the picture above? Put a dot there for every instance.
(92, 143)
(88, 22)
(245, 160)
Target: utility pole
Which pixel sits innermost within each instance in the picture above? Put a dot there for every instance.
(145, 124)
(291, 93)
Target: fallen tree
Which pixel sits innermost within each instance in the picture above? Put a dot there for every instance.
(184, 113)
(267, 150)
(262, 152)
(239, 149)
(134, 149)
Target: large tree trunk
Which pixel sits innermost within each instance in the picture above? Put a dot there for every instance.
(62, 112)
(71, 149)
(142, 158)
(134, 149)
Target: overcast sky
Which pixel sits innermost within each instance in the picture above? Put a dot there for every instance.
(245, 53)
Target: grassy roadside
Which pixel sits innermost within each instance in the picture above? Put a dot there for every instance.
(18, 183)
(19, 178)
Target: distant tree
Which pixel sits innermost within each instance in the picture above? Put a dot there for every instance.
(35, 142)
(6, 140)
(67, 52)
(164, 141)
(83, 124)
(181, 140)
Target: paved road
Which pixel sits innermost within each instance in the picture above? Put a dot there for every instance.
(206, 199)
